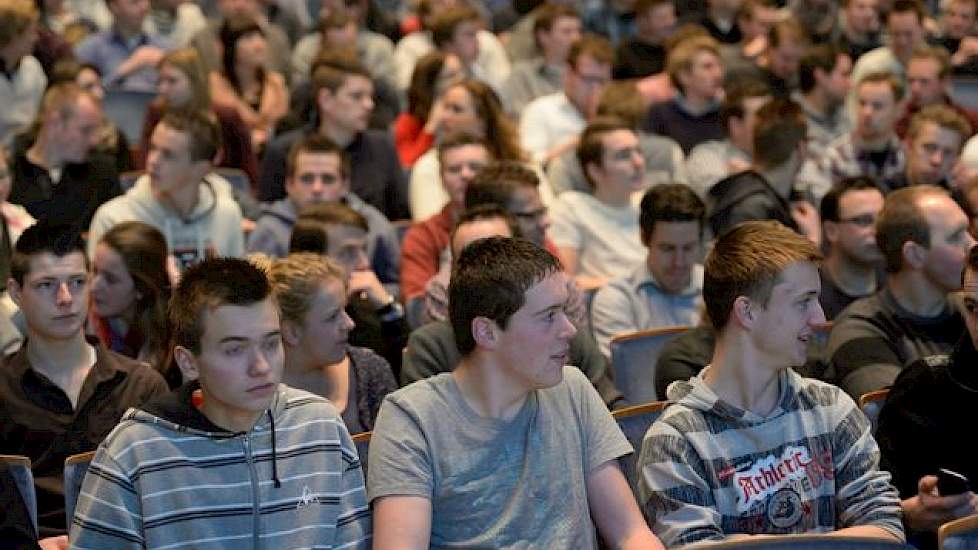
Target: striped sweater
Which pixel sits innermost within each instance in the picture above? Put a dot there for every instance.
(166, 477)
(708, 469)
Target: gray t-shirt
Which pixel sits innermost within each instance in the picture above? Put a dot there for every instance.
(492, 483)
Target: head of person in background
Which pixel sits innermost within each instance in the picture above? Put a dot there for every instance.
(786, 43)
(428, 10)
(862, 17)
(929, 76)
(18, 31)
(695, 69)
(480, 222)
(130, 291)
(933, 143)
(244, 52)
(318, 172)
(455, 31)
(672, 219)
(69, 122)
(471, 106)
(612, 162)
(588, 72)
(655, 20)
(128, 15)
(849, 212)
(338, 29)
(85, 75)
(460, 158)
(743, 98)
(344, 95)
(432, 75)
(514, 188)
(755, 18)
(555, 29)
(823, 77)
(905, 27)
(182, 150)
(621, 99)
(958, 18)
(879, 103)
(182, 82)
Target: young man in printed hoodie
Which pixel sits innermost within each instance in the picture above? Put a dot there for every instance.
(178, 195)
(751, 447)
(233, 458)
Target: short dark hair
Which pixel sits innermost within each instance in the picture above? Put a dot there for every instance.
(779, 128)
(497, 183)
(736, 92)
(213, 283)
(590, 148)
(905, 6)
(748, 261)
(548, 14)
(454, 140)
(822, 57)
(829, 208)
(490, 279)
(45, 236)
(444, 24)
(203, 133)
(316, 143)
(481, 213)
(309, 231)
(901, 221)
(670, 202)
(596, 47)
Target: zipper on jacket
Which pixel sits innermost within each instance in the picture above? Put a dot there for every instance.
(255, 501)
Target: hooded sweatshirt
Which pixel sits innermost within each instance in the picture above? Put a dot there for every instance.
(212, 229)
(708, 469)
(168, 477)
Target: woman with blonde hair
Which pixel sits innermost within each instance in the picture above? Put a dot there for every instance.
(183, 85)
(311, 291)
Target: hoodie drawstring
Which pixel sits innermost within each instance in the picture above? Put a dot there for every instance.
(271, 419)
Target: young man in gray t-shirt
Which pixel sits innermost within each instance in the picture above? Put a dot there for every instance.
(511, 449)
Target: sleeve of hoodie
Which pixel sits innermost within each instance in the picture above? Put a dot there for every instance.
(108, 511)
(863, 492)
(353, 523)
(233, 243)
(674, 492)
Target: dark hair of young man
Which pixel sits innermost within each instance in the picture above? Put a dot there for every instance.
(821, 56)
(482, 213)
(596, 47)
(444, 24)
(490, 279)
(779, 128)
(829, 208)
(497, 183)
(906, 6)
(209, 285)
(46, 236)
(736, 92)
(316, 143)
(670, 202)
(201, 130)
(309, 231)
(590, 149)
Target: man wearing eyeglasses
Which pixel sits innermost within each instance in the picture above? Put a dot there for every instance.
(849, 271)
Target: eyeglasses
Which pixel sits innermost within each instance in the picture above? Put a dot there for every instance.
(863, 220)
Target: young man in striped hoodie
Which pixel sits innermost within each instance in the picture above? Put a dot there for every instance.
(751, 447)
(246, 462)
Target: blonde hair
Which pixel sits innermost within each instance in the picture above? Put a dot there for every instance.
(680, 58)
(15, 17)
(297, 278)
(188, 62)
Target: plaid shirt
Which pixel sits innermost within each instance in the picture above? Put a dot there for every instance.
(843, 158)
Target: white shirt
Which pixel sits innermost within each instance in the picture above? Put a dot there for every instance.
(548, 121)
(605, 237)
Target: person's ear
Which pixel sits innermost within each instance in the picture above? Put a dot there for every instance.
(187, 362)
(914, 254)
(291, 333)
(831, 231)
(14, 290)
(742, 312)
(484, 332)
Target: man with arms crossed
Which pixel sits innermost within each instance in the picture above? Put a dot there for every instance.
(751, 447)
(464, 459)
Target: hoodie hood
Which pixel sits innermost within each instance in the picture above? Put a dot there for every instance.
(189, 237)
(284, 210)
(696, 394)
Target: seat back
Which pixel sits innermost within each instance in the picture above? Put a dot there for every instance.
(76, 466)
(807, 542)
(871, 404)
(964, 91)
(127, 110)
(634, 422)
(238, 179)
(362, 441)
(960, 534)
(633, 359)
(20, 469)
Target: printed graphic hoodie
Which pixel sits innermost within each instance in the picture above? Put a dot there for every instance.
(708, 469)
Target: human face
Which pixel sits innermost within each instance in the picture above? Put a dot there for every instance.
(556, 42)
(970, 291)
(959, 19)
(837, 82)
(742, 129)
(622, 168)
(348, 246)
(340, 36)
(54, 297)
(350, 107)
(316, 178)
(89, 80)
(862, 16)
(932, 154)
(906, 32)
(240, 363)
(584, 82)
(174, 86)
(877, 111)
(459, 167)
(459, 113)
(781, 329)
(323, 333)
(251, 50)
(77, 132)
(168, 162)
(465, 43)
(531, 215)
(658, 23)
(113, 289)
(704, 78)
(129, 14)
(926, 86)
(534, 346)
(757, 23)
(784, 59)
(472, 231)
(854, 234)
(949, 241)
(674, 248)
